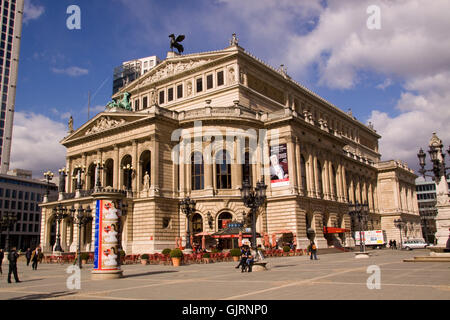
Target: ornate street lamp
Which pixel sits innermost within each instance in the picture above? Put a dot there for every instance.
(437, 156)
(400, 224)
(82, 218)
(60, 213)
(48, 177)
(62, 180)
(253, 199)
(7, 222)
(128, 170)
(188, 207)
(359, 212)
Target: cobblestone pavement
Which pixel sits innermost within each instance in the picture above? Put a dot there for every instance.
(333, 276)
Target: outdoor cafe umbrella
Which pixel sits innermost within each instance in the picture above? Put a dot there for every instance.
(274, 240)
(266, 240)
(203, 235)
(240, 239)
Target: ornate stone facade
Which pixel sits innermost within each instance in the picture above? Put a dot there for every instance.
(246, 109)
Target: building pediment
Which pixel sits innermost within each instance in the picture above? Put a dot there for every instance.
(175, 66)
(103, 123)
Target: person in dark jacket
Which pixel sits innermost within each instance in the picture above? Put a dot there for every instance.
(2, 255)
(28, 256)
(35, 258)
(243, 259)
(12, 257)
(313, 250)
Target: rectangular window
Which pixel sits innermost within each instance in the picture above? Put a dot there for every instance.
(136, 105)
(145, 103)
(170, 94)
(161, 97)
(209, 81)
(8, 193)
(180, 91)
(199, 85)
(220, 79)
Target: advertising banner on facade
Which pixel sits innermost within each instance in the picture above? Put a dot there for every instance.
(279, 171)
(107, 216)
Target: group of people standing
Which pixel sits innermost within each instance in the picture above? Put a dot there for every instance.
(31, 256)
(392, 244)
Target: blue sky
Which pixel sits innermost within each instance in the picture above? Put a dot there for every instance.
(385, 76)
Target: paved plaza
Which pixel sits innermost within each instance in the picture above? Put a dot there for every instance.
(334, 276)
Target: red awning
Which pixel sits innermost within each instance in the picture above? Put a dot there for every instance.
(327, 230)
(228, 236)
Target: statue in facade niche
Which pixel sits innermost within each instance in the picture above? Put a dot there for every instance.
(146, 181)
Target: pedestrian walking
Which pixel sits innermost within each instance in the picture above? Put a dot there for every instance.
(28, 254)
(312, 248)
(394, 243)
(243, 259)
(250, 260)
(12, 257)
(391, 246)
(35, 258)
(2, 255)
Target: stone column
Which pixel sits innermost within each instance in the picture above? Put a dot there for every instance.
(85, 174)
(351, 196)
(266, 163)
(155, 162)
(299, 167)
(316, 178)
(236, 166)
(344, 184)
(292, 165)
(326, 179)
(311, 177)
(333, 179)
(182, 170)
(117, 170)
(370, 197)
(69, 175)
(137, 174)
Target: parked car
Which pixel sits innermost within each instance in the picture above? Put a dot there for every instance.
(414, 244)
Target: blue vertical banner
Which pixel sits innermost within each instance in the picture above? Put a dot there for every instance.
(97, 234)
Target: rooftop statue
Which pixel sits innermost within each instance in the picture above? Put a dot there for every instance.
(175, 43)
(122, 104)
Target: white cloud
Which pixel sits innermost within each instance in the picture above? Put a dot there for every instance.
(71, 71)
(422, 113)
(32, 11)
(387, 83)
(35, 143)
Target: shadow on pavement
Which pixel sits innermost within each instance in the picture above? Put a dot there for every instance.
(44, 296)
(146, 274)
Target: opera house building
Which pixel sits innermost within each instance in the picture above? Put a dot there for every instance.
(198, 126)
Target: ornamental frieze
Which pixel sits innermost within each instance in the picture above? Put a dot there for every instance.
(103, 124)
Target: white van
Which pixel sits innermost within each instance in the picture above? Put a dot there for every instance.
(414, 244)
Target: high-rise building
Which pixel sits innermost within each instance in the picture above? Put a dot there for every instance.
(11, 15)
(21, 195)
(131, 70)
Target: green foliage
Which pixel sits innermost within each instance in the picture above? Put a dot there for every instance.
(176, 253)
(215, 250)
(122, 253)
(235, 252)
(144, 256)
(206, 255)
(166, 252)
(286, 249)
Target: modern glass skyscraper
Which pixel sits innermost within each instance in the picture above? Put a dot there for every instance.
(11, 22)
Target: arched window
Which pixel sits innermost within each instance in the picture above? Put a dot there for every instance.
(91, 175)
(224, 219)
(319, 174)
(109, 173)
(247, 169)
(197, 223)
(197, 171)
(223, 170)
(126, 174)
(145, 163)
(303, 173)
